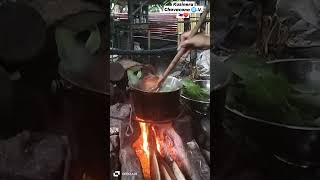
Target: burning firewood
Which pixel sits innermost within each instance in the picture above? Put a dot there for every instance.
(166, 171)
(157, 152)
(165, 174)
(155, 171)
(172, 146)
(177, 172)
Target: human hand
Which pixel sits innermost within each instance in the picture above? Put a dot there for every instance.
(200, 41)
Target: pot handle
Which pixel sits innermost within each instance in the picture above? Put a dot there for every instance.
(129, 130)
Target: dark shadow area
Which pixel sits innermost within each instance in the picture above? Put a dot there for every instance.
(257, 139)
(53, 104)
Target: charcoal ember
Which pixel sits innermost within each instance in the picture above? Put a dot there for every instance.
(30, 156)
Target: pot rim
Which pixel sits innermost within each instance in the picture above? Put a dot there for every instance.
(83, 87)
(189, 99)
(152, 92)
(304, 128)
(293, 60)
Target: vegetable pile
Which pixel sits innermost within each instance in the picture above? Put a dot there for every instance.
(194, 91)
(259, 92)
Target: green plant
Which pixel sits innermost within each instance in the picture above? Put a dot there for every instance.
(194, 91)
(258, 91)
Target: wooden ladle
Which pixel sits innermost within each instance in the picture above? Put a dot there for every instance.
(180, 53)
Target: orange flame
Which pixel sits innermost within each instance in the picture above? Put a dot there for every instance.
(157, 140)
(145, 144)
(141, 146)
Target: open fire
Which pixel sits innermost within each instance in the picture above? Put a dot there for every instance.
(148, 148)
(141, 147)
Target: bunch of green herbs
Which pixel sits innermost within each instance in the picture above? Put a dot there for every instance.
(194, 91)
(259, 92)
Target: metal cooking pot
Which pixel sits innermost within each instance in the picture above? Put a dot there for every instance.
(157, 106)
(86, 94)
(78, 65)
(85, 112)
(292, 144)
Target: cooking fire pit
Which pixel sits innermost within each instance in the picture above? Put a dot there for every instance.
(153, 150)
(151, 136)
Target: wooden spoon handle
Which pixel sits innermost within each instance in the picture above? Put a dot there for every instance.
(199, 23)
(182, 51)
(171, 66)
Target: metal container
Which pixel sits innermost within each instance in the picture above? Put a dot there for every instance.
(85, 114)
(197, 106)
(77, 65)
(85, 98)
(157, 106)
(292, 144)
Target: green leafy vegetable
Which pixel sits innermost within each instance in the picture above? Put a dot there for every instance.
(194, 91)
(263, 88)
(267, 91)
(139, 74)
(246, 66)
(266, 95)
(134, 76)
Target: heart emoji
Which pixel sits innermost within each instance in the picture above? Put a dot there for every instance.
(185, 14)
